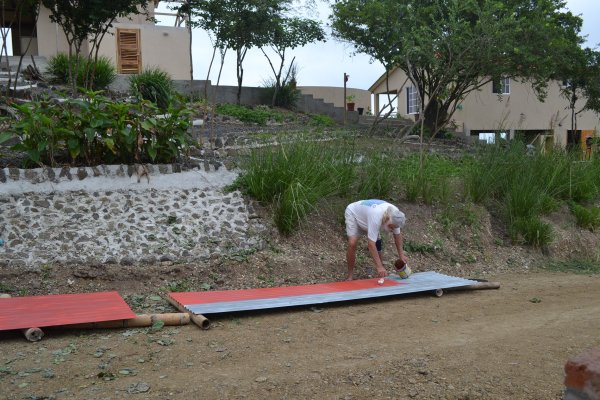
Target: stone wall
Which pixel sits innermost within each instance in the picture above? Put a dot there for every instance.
(122, 214)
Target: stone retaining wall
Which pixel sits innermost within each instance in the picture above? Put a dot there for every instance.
(122, 214)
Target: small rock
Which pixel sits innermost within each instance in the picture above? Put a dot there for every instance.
(261, 379)
(136, 388)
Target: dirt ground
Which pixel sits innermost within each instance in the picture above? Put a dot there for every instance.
(510, 343)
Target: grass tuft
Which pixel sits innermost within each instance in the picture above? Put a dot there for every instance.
(575, 266)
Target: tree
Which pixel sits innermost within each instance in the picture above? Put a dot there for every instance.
(290, 33)
(450, 48)
(580, 74)
(238, 25)
(83, 20)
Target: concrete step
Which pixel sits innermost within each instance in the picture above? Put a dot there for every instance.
(370, 119)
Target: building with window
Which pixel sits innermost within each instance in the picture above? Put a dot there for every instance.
(505, 108)
(133, 43)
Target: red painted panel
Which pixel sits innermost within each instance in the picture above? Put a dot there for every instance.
(62, 309)
(217, 296)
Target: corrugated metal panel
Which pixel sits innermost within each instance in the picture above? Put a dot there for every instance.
(218, 302)
(65, 309)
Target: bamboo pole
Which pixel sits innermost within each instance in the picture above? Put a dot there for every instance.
(478, 286)
(197, 319)
(140, 321)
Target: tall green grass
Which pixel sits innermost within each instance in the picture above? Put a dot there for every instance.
(376, 176)
(515, 187)
(527, 187)
(430, 181)
(153, 84)
(99, 74)
(294, 177)
(586, 217)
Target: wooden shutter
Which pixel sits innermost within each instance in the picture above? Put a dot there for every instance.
(129, 51)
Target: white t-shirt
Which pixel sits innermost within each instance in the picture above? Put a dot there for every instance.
(368, 215)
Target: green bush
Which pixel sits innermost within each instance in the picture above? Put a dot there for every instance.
(321, 120)
(586, 217)
(531, 230)
(153, 84)
(98, 74)
(259, 115)
(287, 95)
(96, 130)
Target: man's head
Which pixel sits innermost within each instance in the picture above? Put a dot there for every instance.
(393, 219)
(398, 218)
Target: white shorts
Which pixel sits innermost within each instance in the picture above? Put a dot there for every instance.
(352, 228)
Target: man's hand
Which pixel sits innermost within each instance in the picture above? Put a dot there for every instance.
(381, 272)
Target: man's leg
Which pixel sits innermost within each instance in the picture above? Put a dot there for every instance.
(351, 255)
(379, 245)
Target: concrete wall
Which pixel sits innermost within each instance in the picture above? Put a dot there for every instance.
(51, 39)
(166, 47)
(335, 95)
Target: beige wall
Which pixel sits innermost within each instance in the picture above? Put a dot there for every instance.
(162, 46)
(51, 39)
(519, 110)
(335, 95)
(165, 47)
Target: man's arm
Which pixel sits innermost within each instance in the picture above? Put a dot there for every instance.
(381, 272)
(399, 241)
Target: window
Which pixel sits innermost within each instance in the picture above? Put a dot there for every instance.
(490, 137)
(501, 86)
(412, 100)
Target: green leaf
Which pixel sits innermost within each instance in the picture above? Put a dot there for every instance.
(152, 152)
(89, 134)
(42, 145)
(4, 136)
(74, 148)
(34, 155)
(157, 326)
(149, 124)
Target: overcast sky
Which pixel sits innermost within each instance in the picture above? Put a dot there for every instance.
(324, 64)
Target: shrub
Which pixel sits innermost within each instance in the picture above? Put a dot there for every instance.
(97, 130)
(99, 74)
(259, 115)
(586, 217)
(321, 120)
(531, 230)
(58, 68)
(287, 95)
(153, 84)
